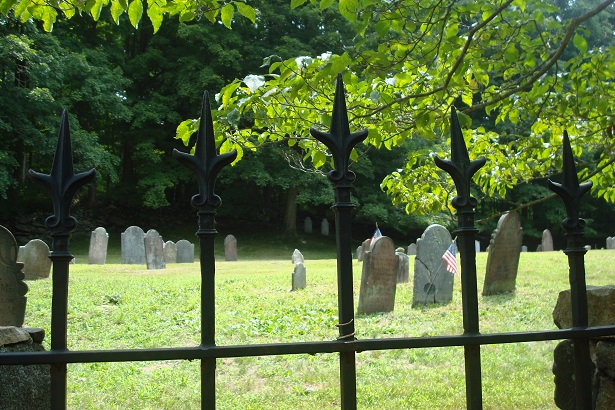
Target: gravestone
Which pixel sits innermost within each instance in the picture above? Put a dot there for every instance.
(307, 225)
(539, 248)
(432, 282)
(170, 252)
(324, 227)
(99, 239)
(379, 278)
(504, 254)
(477, 246)
(364, 248)
(12, 286)
(299, 279)
(230, 248)
(154, 252)
(359, 253)
(412, 249)
(523, 248)
(297, 257)
(402, 266)
(547, 241)
(133, 246)
(35, 258)
(185, 251)
(610, 242)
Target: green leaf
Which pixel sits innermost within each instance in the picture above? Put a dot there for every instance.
(185, 130)
(96, 9)
(155, 13)
(348, 9)
(226, 15)
(186, 16)
(135, 12)
(6, 5)
(296, 3)
(318, 158)
(246, 11)
(580, 43)
(325, 4)
(511, 53)
(116, 11)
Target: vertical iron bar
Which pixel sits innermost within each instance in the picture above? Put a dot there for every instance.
(340, 143)
(571, 192)
(62, 184)
(461, 170)
(206, 164)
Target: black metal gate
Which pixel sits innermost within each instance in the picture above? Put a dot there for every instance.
(62, 185)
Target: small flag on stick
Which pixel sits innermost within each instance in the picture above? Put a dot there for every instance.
(375, 236)
(450, 258)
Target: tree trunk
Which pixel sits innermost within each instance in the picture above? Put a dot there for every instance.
(290, 212)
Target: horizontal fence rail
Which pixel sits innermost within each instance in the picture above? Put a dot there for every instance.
(62, 184)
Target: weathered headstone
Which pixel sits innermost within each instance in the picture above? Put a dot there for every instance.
(523, 248)
(230, 248)
(379, 278)
(12, 286)
(133, 246)
(170, 252)
(432, 282)
(364, 248)
(477, 246)
(307, 225)
(297, 257)
(154, 252)
(360, 253)
(610, 242)
(402, 267)
(547, 241)
(504, 254)
(324, 227)
(539, 248)
(412, 249)
(299, 279)
(99, 239)
(185, 251)
(35, 258)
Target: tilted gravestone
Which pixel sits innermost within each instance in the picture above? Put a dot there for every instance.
(307, 225)
(547, 241)
(230, 248)
(154, 252)
(12, 286)
(299, 279)
(170, 252)
(297, 257)
(432, 282)
(185, 251)
(35, 258)
(503, 256)
(133, 246)
(364, 248)
(412, 249)
(324, 227)
(99, 240)
(379, 278)
(402, 267)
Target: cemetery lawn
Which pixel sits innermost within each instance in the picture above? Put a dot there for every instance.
(126, 306)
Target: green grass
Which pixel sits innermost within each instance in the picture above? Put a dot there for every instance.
(126, 306)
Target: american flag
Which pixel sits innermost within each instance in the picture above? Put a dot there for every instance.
(375, 236)
(450, 259)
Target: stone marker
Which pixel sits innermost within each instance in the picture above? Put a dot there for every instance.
(133, 246)
(324, 227)
(547, 241)
(504, 253)
(402, 266)
(432, 282)
(379, 278)
(539, 248)
(99, 239)
(185, 251)
(12, 286)
(359, 253)
(610, 242)
(297, 257)
(35, 258)
(230, 248)
(364, 248)
(307, 225)
(412, 249)
(477, 246)
(299, 280)
(523, 248)
(170, 252)
(154, 252)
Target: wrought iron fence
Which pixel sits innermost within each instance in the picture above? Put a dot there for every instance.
(62, 184)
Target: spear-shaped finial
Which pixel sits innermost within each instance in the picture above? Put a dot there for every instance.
(205, 163)
(62, 183)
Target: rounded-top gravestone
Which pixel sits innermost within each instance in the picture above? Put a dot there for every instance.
(504, 254)
(133, 246)
(378, 278)
(35, 258)
(99, 239)
(12, 287)
(154, 251)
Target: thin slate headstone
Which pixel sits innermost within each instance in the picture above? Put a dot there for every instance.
(35, 258)
(412, 249)
(154, 252)
(547, 241)
(379, 278)
(402, 267)
(365, 248)
(133, 246)
(170, 252)
(297, 257)
(504, 254)
(99, 240)
(230, 248)
(432, 282)
(299, 279)
(477, 246)
(307, 225)
(13, 289)
(324, 227)
(185, 251)
(359, 253)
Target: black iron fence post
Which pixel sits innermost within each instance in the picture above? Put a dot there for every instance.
(62, 184)
(206, 164)
(340, 142)
(461, 170)
(570, 192)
